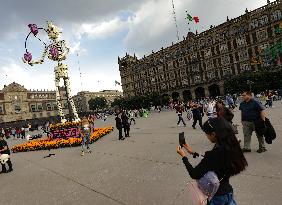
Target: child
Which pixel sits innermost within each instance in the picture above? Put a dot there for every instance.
(85, 131)
(4, 150)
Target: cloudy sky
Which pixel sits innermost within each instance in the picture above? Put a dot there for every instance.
(99, 32)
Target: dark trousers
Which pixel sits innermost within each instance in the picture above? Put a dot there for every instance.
(180, 119)
(196, 119)
(120, 133)
(9, 164)
(126, 130)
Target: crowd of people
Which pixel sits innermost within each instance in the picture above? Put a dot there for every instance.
(226, 159)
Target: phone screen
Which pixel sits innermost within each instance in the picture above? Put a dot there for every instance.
(181, 139)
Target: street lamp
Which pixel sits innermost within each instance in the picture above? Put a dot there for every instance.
(250, 84)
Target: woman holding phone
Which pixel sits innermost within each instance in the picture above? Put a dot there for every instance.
(226, 159)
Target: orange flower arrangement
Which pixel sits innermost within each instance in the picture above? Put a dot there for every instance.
(64, 125)
(45, 144)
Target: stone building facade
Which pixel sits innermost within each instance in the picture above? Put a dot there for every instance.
(19, 104)
(199, 64)
(82, 98)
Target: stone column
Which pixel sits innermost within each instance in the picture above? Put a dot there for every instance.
(221, 88)
(207, 93)
(193, 93)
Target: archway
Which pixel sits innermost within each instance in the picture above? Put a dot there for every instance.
(165, 99)
(214, 90)
(200, 92)
(187, 95)
(175, 96)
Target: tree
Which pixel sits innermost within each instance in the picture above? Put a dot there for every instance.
(97, 103)
(262, 80)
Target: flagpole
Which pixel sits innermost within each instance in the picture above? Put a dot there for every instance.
(79, 71)
(175, 20)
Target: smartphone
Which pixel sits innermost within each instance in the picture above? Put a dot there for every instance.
(181, 139)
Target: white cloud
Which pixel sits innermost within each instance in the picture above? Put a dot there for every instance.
(102, 29)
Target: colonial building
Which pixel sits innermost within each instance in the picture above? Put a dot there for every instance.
(198, 65)
(17, 103)
(82, 98)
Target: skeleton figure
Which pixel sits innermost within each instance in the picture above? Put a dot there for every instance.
(57, 51)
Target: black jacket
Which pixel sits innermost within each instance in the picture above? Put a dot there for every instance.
(118, 123)
(270, 133)
(265, 129)
(212, 161)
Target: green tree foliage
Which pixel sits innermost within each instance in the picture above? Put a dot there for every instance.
(97, 103)
(137, 102)
(263, 80)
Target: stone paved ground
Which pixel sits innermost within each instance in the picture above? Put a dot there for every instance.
(143, 170)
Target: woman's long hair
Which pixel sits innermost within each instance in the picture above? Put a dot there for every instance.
(233, 158)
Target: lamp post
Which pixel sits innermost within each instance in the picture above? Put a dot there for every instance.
(250, 84)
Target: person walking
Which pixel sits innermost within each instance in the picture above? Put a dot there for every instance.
(179, 110)
(131, 114)
(4, 150)
(85, 131)
(197, 115)
(13, 132)
(252, 111)
(226, 159)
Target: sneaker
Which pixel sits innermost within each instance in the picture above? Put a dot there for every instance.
(3, 171)
(261, 150)
(82, 153)
(10, 170)
(185, 125)
(244, 150)
(194, 127)
(89, 151)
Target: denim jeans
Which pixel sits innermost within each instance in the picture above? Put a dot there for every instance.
(86, 141)
(180, 119)
(226, 199)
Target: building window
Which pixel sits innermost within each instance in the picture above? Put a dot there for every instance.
(211, 75)
(208, 53)
(243, 55)
(195, 68)
(209, 65)
(264, 20)
(241, 41)
(17, 109)
(254, 24)
(276, 15)
(262, 34)
(197, 79)
(225, 60)
(226, 71)
(223, 48)
(39, 107)
(65, 105)
(48, 107)
(245, 67)
(16, 97)
(1, 109)
(33, 108)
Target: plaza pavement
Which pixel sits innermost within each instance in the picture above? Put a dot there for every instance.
(142, 170)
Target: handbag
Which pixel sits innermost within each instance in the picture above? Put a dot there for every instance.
(204, 189)
(197, 197)
(4, 158)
